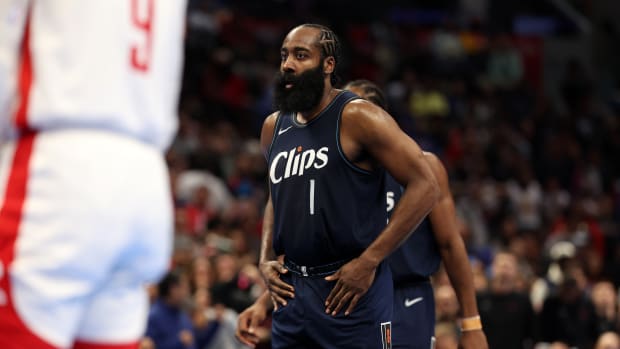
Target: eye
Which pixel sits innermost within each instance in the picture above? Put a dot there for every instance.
(283, 56)
(301, 55)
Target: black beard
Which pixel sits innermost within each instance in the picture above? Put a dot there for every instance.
(305, 94)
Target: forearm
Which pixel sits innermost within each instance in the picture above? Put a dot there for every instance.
(415, 204)
(459, 272)
(266, 248)
(264, 300)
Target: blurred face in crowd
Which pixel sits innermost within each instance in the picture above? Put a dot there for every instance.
(202, 273)
(608, 340)
(179, 292)
(604, 299)
(226, 267)
(504, 271)
(603, 293)
(300, 83)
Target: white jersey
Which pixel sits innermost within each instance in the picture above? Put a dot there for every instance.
(105, 64)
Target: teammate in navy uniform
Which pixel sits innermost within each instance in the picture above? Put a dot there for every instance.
(328, 152)
(434, 240)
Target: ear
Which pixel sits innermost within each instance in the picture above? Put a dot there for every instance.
(329, 64)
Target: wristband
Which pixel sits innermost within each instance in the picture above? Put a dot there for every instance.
(472, 323)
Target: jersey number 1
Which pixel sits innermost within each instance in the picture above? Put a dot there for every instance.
(142, 19)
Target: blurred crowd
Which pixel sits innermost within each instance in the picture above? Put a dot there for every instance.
(535, 179)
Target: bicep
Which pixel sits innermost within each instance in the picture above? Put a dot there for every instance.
(387, 144)
(443, 215)
(401, 157)
(443, 220)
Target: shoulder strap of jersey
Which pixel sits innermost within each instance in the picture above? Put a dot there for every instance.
(342, 99)
(276, 127)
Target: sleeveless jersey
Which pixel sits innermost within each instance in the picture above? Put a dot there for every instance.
(419, 255)
(325, 208)
(108, 64)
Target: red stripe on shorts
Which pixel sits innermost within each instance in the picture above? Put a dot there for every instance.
(13, 332)
(87, 345)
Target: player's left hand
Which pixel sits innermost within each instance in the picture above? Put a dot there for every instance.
(353, 281)
(473, 340)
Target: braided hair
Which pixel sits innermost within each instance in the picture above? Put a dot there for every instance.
(330, 46)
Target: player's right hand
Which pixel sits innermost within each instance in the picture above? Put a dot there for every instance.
(279, 290)
(248, 322)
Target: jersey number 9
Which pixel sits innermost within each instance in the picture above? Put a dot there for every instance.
(142, 19)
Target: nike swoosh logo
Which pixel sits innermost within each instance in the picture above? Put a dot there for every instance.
(284, 130)
(410, 302)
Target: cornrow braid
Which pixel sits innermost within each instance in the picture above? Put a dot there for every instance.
(330, 46)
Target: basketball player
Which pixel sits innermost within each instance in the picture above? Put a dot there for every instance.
(327, 151)
(412, 264)
(435, 239)
(88, 96)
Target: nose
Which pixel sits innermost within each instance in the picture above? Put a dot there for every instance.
(288, 65)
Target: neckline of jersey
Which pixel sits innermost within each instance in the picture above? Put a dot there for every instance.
(298, 124)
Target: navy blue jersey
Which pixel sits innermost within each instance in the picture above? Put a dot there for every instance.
(419, 254)
(325, 208)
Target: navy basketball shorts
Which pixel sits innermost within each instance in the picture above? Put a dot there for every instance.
(303, 323)
(413, 325)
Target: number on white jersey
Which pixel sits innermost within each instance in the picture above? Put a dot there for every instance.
(142, 12)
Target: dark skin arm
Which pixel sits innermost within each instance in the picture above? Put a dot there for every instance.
(251, 318)
(270, 267)
(368, 129)
(266, 136)
(454, 254)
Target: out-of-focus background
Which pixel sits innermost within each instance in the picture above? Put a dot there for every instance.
(520, 99)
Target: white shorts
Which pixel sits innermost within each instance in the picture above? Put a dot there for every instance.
(85, 222)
